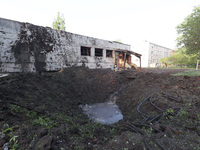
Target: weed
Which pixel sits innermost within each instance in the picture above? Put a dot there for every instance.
(169, 114)
(16, 108)
(112, 131)
(188, 73)
(76, 147)
(169, 111)
(149, 131)
(188, 104)
(31, 114)
(105, 139)
(151, 143)
(8, 131)
(184, 113)
(45, 122)
(13, 143)
(86, 131)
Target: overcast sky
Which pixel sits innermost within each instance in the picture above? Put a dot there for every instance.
(127, 20)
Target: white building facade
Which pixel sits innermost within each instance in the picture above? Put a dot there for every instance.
(151, 53)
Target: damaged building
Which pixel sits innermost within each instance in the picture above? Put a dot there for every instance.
(25, 47)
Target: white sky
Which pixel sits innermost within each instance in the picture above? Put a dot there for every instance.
(127, 20)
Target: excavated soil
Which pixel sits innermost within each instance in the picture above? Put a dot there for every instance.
(41, 111)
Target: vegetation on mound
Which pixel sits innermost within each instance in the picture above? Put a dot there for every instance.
(188, 73)
(77, 132)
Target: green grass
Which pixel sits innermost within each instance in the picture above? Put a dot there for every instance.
(188, 73)
(168, 68)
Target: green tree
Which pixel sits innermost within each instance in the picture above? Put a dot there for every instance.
(118, 40)
(59, 22)
(180, 58)
(186, 59)
(189, 31)
(164, 60)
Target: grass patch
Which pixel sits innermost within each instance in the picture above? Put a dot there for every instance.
(188, 73)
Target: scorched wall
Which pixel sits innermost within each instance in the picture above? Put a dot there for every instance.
(25, 47)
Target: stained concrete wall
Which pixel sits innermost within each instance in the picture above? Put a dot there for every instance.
(26, 47)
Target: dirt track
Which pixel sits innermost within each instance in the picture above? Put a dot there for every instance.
(42, 110)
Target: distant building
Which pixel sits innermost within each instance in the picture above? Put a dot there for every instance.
(151, 53)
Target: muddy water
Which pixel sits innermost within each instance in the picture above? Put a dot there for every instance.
(105, 113)
(3, 75)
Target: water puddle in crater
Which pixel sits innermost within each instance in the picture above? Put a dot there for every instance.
(105, 113)
(3, 75)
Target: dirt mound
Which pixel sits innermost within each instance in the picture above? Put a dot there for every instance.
(41, 111)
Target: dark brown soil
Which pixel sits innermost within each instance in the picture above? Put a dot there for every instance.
(41, 111)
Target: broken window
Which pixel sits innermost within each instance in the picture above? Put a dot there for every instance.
(98, 52)
(85, 51)
(108, 53)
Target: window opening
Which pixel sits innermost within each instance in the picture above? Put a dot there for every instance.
(85, 51)
(109, 53)
(98, 52)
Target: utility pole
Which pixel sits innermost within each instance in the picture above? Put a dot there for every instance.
(198, 61)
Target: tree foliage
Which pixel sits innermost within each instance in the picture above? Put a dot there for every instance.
(59, 22)
(118, 40)
(189, 31)
(180, 58)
